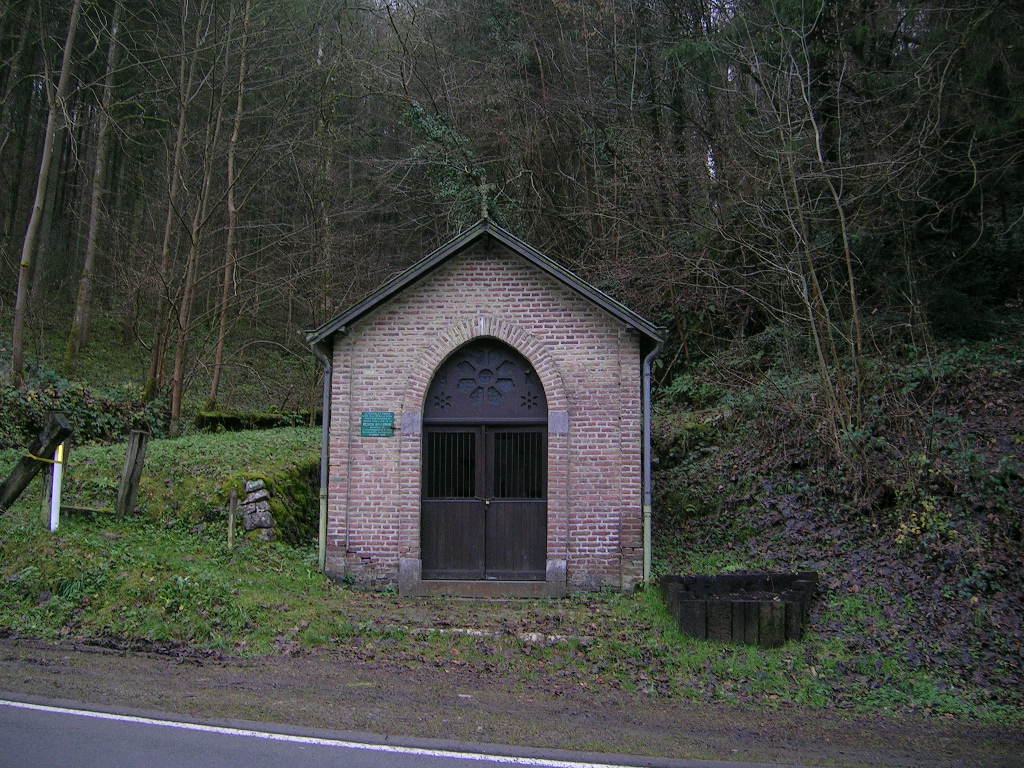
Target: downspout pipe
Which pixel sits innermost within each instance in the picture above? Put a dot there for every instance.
(325, 447)
(647, 483)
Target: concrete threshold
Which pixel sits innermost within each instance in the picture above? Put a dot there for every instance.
(489, 589)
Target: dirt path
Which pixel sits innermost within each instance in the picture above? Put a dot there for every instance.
(323, 689)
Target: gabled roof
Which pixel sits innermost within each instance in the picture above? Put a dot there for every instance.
(457, 244)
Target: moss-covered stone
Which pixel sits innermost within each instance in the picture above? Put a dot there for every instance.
(294, 500)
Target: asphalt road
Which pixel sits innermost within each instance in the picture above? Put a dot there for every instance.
(37, 734)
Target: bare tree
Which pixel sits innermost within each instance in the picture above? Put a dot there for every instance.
(79, 334)
(196, 233)
(28, 249)
(230, 256)
(186, 93)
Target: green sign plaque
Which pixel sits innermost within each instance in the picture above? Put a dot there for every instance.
(377, 424)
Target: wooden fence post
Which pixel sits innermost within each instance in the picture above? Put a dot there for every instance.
(44, 502)
(56, 431)
(232, 511)
(128, 491)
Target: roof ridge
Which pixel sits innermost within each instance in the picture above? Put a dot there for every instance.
(456, 244)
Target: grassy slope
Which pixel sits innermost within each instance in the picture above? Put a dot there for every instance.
(189, 478)
(918, 540)
(164, 574)
(162, 580)
(258, 375)
(167, 578)
(145, 585)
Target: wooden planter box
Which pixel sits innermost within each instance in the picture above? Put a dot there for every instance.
(764, 609)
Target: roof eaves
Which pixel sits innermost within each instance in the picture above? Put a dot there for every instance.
(395, 284)
(578, 284)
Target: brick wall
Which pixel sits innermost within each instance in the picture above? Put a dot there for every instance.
(589, 363)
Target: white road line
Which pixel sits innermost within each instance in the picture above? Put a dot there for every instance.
(540, 762)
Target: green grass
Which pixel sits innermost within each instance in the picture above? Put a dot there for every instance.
(142, 580)
(150, 581)
(164, 574)
(167, 577)
(695, 561)
(190, 478)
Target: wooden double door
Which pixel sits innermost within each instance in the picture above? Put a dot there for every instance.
(484, 483)
(484, 508)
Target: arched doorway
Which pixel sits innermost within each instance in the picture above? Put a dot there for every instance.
(484, 481)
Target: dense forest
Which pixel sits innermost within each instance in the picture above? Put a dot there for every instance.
(822, 201)
(843, 179)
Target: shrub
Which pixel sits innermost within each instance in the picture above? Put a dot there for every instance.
(236, 421)
(686, 390)
(95, 418)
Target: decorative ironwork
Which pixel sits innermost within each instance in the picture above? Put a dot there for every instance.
(485, 379)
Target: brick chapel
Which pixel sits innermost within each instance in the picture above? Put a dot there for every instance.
(488, 428)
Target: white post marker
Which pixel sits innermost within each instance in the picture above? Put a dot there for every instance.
(58, 472)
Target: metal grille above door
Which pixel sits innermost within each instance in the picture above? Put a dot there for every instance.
(484, 505)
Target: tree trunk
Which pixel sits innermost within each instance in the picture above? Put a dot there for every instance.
(130, 319)
(186, 75)
(229, 248)
(44, 240)
(12, 79)
(188, 289)
(80, 324)
(32, 231)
